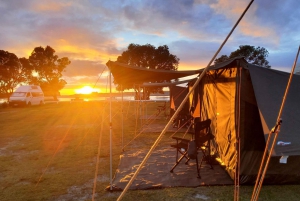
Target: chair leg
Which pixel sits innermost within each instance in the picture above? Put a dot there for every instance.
(187, 161)
(198, 170)
(199, 167)
(178, 161)
(208, 158)
(210, 162)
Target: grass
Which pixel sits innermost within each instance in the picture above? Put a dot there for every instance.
(49, 152)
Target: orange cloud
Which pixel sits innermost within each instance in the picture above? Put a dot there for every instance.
(50, 6)
(81, 52)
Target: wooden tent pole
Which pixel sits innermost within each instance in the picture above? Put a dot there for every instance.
(110, 131)
(181, 106)
(122, 107)
(260, 178)
(238, 143)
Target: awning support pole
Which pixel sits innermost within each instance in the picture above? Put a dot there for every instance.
(110, 131)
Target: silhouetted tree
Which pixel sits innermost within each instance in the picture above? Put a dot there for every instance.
(48, 68)
(253, 55)
(147, 56)
(12, 73)
(221, 59)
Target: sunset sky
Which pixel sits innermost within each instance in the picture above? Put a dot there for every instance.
(91, 32)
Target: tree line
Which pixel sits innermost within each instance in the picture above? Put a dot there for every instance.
(43, 67)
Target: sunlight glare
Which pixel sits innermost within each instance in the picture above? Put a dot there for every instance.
(86, 90)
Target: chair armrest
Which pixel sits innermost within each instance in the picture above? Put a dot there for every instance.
(180, 143)
(182, 139)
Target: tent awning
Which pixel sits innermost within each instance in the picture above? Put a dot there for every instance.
(126, 73)
(166, 84)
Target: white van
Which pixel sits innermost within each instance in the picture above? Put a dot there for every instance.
(27, 95)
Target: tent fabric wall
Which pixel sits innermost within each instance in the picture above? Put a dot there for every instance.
(218, 105)
(177, 94)
(194, 100)
(269, 86)
(220, 102)
(251, 133)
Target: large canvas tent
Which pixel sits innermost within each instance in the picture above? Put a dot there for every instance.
(243, 101)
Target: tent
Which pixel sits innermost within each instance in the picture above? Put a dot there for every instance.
(243, 102)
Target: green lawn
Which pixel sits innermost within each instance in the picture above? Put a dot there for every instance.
(50, 152)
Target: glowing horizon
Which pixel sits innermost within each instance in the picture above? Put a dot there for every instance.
(87, 90)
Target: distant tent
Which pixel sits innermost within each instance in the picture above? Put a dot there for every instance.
(257, 104)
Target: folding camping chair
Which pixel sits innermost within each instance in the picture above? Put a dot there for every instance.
(201, 142)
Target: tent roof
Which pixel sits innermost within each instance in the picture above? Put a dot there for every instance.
(269, 87)
(227, 63)
(123, 72)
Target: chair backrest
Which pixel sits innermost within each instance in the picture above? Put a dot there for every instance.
(202, 131)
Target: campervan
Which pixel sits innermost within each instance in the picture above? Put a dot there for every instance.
(27, 95)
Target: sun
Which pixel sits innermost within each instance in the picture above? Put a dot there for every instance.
(86, 90)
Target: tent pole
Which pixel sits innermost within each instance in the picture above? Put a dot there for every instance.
(110, 130)
(238, 143)
(140, 107)
(181, 106)
(275, 130)
(122, 108)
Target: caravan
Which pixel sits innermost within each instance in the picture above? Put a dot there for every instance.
(27, 95)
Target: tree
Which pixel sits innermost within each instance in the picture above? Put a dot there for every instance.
(48, 68)
(12, 72)
(221, 59)
(147, 56)
(253, 55)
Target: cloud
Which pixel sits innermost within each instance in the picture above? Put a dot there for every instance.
(71, 29)
(85, 68)
(91, 32)
(187, 18)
